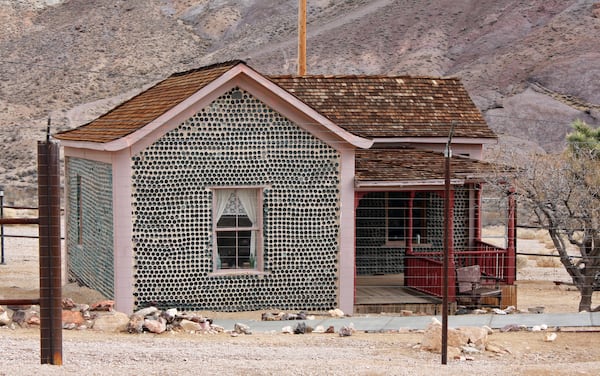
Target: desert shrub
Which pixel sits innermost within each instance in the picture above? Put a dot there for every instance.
(522, 261)
(526, 234)
(548, 262)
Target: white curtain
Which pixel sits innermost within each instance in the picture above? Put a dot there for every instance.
(249, 202)
(221, 199)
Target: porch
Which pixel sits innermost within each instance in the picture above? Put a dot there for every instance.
(420, 288)
(387, 294)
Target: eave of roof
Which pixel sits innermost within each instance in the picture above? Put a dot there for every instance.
(407, 166)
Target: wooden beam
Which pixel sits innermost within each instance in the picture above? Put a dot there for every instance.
(301, 37)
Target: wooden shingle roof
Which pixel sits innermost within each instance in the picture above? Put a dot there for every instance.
(146, 106)
(408, 164)
(367, 106)
(383, 106)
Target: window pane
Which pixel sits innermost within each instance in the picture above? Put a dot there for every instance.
(226, 221)
(226, 242)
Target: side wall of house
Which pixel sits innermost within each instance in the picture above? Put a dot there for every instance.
(90, 230)
(237, 141)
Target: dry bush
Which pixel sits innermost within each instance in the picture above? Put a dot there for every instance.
(542, 236)
(522, 262)
(548, 262)
(527, 234)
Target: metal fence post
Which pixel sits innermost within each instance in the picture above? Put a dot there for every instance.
(50, 253)
(2, 227)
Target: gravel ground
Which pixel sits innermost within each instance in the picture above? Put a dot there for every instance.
(95, 353)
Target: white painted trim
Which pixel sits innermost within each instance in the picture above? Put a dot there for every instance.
(434, 140)
(407, 183)
(347, 234)
(205, 95)
(123, 230)
(92, 155)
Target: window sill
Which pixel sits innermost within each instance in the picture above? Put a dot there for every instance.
(236, 272)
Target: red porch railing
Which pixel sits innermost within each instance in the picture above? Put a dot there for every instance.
(494, 261)
(424, 272)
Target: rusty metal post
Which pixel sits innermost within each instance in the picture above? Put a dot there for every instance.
(2, 227)
(50, 253)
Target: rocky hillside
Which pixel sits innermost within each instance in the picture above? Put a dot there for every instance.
(530, 66)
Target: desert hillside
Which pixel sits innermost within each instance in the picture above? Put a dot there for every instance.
(530, 66)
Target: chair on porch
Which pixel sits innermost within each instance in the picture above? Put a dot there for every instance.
(471, 289)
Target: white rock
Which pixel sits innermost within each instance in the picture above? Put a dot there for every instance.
(319, 329)
(550, 337)
(336, 313)
(242, 328)
(287, 330)
(470, 350)
(4, 318)
(146, 311)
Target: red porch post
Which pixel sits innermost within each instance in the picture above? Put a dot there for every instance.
(409, 235)
(512, 239)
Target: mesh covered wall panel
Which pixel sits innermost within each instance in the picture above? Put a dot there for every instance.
(236, 141)
(90, 234)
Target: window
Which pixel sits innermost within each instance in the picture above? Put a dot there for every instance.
(237, 229)
(406, 216)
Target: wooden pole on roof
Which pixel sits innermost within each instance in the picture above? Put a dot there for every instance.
(447, 244)
(302, 37)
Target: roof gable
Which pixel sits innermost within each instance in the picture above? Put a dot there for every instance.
(383, 106)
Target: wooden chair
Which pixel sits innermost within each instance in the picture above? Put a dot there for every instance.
(471, 289)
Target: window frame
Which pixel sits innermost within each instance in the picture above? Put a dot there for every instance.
(257, 227)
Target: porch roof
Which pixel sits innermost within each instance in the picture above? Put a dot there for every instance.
(407, 165)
